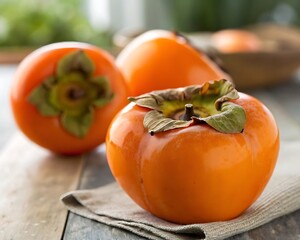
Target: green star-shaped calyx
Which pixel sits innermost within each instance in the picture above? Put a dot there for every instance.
(72, 93)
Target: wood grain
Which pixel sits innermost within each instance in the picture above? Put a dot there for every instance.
(32, 181)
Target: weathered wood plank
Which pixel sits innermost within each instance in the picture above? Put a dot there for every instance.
(32, 180)
(96, 174)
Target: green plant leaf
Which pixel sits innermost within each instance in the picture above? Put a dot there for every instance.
(39, 97)
(77, 125)
(76, 61)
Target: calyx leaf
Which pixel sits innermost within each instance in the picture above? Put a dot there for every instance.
(76, 61)
(40, 98)
(162, 123)
(211, 101)
(77, 125)
(105, 95)
(231, 119)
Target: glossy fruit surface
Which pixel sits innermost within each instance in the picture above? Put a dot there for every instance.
(233, 41)
(193, 174)
(160, 59)
(64, 96)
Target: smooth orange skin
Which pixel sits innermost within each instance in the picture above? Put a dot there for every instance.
(160, 59)
(193, 174)
(234, 41)
(47, 131)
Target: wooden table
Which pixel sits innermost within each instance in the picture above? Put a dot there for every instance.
(32, 179)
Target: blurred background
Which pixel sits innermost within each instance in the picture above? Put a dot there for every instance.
(28, 24)
(33, 23)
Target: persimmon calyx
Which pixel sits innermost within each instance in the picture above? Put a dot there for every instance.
(211, 104)
(72, 93)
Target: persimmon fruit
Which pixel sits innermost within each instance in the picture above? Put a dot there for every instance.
(64, 96)
(196, 165)
(235, 41)
(160, 59)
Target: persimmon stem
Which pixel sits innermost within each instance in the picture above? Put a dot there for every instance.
(189, 112)
(76, 94)
(178, 34)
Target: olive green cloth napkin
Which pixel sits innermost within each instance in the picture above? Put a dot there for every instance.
(111, 206)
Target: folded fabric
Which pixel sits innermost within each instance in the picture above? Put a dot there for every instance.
(111, 206)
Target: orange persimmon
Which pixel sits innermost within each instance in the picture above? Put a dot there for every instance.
(64, 96)
(196, 165)
(235, 40)
(160, 59)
